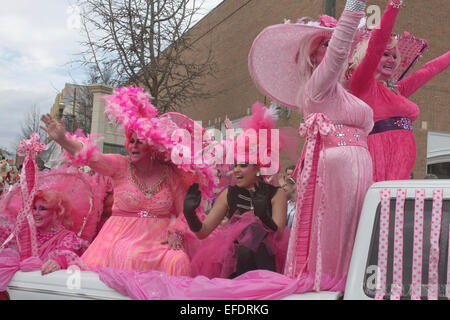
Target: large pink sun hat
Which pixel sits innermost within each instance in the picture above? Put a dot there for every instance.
(273, 57)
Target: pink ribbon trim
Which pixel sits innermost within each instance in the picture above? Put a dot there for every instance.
(315, 126)
(383, 244)
(433, 272)
(416, 284)
(397, 284)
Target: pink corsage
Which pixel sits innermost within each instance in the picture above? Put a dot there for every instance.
(88, 149)
(327, 21)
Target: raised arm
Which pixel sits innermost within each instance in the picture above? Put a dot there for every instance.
(57, 133)
(79, 150)
(419, 78)
(327, 75)
(192, 200)
(365, 72)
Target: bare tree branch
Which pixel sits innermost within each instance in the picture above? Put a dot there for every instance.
(146, 43)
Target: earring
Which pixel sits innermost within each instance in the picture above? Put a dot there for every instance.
(314, 63)
(258, 174)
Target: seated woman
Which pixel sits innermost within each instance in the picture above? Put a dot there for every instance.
(255, 237)
(58, 246)
(146, 230)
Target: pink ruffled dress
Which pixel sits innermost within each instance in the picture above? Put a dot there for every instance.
(335, 173)
(393, 152)
(131, 238)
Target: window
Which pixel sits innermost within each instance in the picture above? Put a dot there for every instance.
(438, 155)
(114, 148)
(408, 234)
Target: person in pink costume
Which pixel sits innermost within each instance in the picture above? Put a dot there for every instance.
(391, 143)
(341, 163)
(335, 169)
(47, 231)
(59, 247)
(147, 230)
(254, 236)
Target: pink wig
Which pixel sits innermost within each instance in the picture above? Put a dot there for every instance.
(264, 118)
(57, 201)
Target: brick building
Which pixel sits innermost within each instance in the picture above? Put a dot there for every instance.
(231, 27)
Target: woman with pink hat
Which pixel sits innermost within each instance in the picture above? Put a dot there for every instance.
(302, 66)
(255, 236)
(380, 66)
(146, 230)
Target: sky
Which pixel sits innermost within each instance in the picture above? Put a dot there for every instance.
(38, 41)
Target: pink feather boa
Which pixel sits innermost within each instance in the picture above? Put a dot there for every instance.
(88, 149)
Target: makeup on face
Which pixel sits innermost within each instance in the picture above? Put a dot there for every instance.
(245, 174)
(44, 217)
(138, 149)
(319, 53)
(387, 64)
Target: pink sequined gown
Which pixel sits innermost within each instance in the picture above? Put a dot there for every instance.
(393, 152)
(344, 173)
(131, 238)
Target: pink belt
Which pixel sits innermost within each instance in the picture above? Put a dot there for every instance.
(140, 214)
(345, 136)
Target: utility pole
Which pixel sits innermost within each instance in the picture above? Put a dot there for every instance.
(330, 8)
(73, 108)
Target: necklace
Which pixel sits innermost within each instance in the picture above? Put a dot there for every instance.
(148, 192)
(44, 237)
(391, 85)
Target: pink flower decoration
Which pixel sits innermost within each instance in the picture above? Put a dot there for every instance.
(327, 21)
(31, 145)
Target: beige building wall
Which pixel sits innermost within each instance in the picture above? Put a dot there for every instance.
(233, 25)
(113, 139)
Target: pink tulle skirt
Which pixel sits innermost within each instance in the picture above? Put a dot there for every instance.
(215, 257)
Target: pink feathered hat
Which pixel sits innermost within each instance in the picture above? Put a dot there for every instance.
(130, 107)
(273, 57)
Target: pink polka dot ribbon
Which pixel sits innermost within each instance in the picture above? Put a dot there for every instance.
(383, 244)
(435, 233)
(416, 283)
(316, 123)
(320, 213)
(26, 233)
(398, 246)
(315, 126)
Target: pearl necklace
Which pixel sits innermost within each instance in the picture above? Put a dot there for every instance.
(44, 237)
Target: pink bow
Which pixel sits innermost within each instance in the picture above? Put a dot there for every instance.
(327, 21)
(316, 123)
(31, 145)
(10, 263)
